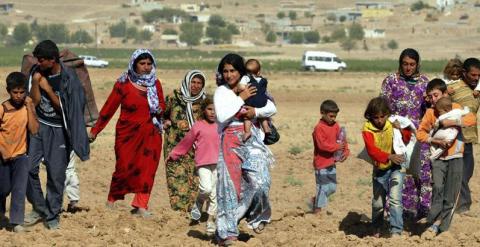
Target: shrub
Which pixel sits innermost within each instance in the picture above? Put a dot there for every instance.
(21, 34)
(292, 15)
(419, 5)
(356, 31)
(348, 44)
(280, 15)
(131, 33)
(296, 37)
(118, 30)
(170, 31)
(81, 37)
(312, 37)
(271, 37)
(338, 34)
(392, 45)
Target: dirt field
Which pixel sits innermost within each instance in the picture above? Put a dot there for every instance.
(298, 96)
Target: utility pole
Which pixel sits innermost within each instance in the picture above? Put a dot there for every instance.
(96, 38)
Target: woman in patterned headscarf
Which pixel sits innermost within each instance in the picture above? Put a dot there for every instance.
(138, 139)
(182, 110)
(404, 93)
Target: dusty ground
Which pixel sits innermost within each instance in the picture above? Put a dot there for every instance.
(298, 97)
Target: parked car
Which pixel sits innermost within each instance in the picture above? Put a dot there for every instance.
(321, 60)
(93, 61)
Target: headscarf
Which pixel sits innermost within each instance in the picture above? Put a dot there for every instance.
(186, 95)
(146, 80)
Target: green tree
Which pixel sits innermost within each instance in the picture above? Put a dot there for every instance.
(356, 31)
(217, 20)
(332, 17)
(392, 45)
(81, 37)
(41, 32)
(225, 35)
(58, 33)
(342, 18)
(281, 15)
(348, 44)
(21, 34)
(191, 33)
(338, 34)
(271, 37)
(3, 31)
(165, 13)
(118, 30)
(296, 37)
(131, 33)
(170, 31)
(292, 15)
(213, 32)
(143, 35)
(419, 5)
(233, 28)
(311, 37)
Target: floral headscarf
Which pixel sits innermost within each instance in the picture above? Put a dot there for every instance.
(146, 80)
(187, 97)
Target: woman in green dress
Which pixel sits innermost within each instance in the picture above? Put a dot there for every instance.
(182, 110)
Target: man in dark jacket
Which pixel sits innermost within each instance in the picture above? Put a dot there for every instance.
(60, 100)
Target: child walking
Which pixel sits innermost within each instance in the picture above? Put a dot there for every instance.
(447, 170)
(387, 177)
(205, 138)
(17, 118)
(325, 145)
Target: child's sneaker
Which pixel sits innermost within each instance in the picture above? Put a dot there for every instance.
(196, 214)
(19, 229)
(211, 227)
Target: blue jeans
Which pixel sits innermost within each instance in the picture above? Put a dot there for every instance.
(326, 180)
(388, 181)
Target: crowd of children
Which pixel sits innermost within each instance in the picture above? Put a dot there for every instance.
(445, 126)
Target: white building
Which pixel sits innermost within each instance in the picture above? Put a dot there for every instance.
(190, 7)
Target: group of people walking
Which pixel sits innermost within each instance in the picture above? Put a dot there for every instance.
(203, 136)
(215, 147)
(418, 136)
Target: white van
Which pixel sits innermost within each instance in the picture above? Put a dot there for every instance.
(321, 60)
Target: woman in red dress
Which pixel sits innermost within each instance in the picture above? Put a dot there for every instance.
(138, 139)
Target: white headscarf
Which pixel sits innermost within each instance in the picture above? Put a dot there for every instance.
(186, 94)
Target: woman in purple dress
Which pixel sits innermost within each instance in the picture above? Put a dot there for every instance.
(404, 92)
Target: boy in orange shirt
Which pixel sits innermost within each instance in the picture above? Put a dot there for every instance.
(325, 145)
(447, 169)
(17, 118)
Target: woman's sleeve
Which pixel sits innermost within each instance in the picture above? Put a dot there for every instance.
(185, 144)
(161, 99)
(386, 91)
(108, 109)
(373, 151)
(267, 111)
(226, 103)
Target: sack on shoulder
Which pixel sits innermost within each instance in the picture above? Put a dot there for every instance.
(273, 136)
(71, 60)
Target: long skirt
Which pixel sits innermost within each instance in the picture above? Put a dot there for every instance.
(243, 181)
(417, 188)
